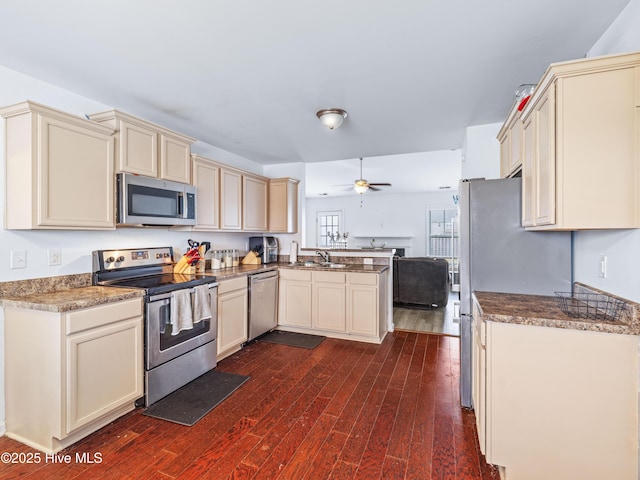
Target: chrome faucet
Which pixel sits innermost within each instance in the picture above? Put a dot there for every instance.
(325, 256)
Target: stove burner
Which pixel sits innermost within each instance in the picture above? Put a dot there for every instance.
(167, 282)
(150, 269)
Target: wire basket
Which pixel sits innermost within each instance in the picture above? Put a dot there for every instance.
(592, 306)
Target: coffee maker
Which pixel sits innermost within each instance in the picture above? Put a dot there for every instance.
(265, 247)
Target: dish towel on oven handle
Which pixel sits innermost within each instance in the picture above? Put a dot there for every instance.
(201, 303)
(181, 312)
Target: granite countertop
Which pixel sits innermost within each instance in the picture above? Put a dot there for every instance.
(72, 298)
(543, 311)
(353, 268)
(75, 292)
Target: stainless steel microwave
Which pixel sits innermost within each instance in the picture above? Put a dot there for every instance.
(153, 201)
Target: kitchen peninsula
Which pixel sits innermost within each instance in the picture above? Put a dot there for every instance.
(553, 387)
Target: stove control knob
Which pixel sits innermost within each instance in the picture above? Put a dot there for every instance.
(158, 255)
(120, 258)
(110, 260)
(166, 255)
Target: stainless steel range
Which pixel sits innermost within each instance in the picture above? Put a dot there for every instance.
(181, 320)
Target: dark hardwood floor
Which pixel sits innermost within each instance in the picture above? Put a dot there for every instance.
(343, 410)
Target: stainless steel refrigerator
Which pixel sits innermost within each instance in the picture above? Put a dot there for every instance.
(498, 255)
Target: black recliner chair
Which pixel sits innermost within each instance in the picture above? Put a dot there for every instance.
(421, 281)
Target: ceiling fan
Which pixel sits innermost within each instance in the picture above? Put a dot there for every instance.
(361, 185)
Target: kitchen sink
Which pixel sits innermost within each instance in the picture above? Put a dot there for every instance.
(319, 264)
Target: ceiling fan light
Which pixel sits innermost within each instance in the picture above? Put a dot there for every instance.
(361, 186)
(332, 118)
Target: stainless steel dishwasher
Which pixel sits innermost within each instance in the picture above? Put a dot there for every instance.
(263, 303)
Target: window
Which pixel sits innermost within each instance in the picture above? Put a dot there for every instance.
(327, 224)
(443, 239)
(443, 233)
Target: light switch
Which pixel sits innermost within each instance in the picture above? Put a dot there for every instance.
(18, 259)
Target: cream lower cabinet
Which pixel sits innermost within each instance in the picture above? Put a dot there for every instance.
(59, 170)
(233, 311)
(329, 301)
(345, 305)
(294, 298)
(69, 374)
(558, 403)
(581, 146)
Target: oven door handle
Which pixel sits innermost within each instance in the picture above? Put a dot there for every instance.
(165, 296)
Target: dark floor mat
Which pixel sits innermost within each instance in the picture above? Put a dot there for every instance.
(190, 403)
(293, 339)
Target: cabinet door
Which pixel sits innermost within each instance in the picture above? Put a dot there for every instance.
(175, 159)
(138, 149)
(504, 156)
(104, 370)
(283, 205)
(329, 306)
(545, 163)
(254, 204)
(232, 319)
(230, 199)
(362, 309)
(75, 176)
(528, 192)
(515, 145)
(294, 307)
(478, 377)
(206, 178)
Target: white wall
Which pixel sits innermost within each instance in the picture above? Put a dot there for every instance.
(621, 247)
(398, 219)
(481, 152)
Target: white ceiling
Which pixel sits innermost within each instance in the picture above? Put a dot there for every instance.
(248, 76)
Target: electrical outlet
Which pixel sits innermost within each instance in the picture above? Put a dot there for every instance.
(18, 259)
(602, 273)
(54, 257)
(368, 261)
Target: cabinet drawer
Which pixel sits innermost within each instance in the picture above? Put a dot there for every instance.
(329, 277)
(300, 275)
(233, 284)
(103, 315)
(363, 278)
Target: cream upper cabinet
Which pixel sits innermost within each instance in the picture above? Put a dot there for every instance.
(254, 203)
(233, 308)
(206, 179)
(230, 199)
(580, 146)
(510, 138)
(79, 383)
(145, 148)
(283, 205)
(53, 160)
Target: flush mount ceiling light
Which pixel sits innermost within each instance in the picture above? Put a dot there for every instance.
(332, 118)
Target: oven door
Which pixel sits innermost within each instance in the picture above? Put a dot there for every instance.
(161, 344)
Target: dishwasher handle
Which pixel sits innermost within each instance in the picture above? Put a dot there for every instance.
(263, 277)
